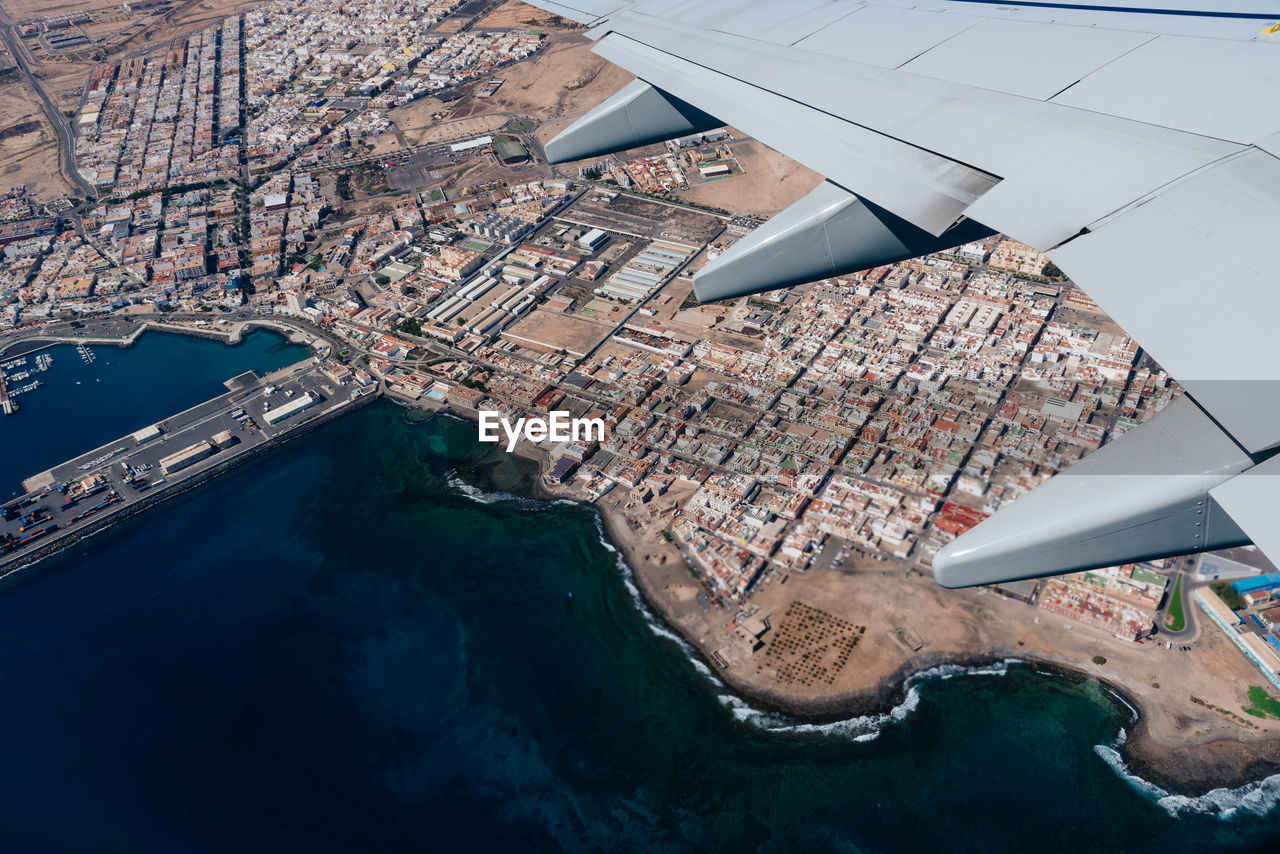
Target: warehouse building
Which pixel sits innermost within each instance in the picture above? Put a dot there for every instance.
(593, 239)
(187, 456)
(288, 410)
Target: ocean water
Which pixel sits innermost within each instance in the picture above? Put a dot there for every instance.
(366, 641)
(80, 406)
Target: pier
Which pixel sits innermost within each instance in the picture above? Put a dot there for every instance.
(7, 404)
(160, 460)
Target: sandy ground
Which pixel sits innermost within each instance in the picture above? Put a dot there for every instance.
(384, 143)
(913, 624)
(29, 148)
(62, 80)
(769, 183)
(574, 333)
(186, 19)
(414, 120)
(558, 84)
(517, 15)
(21, 9)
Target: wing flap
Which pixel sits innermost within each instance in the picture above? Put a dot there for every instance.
(1253, 500)
(1059, 168)
(1213, 88)
(1190, 274)
(923, 188)
(1047, 58)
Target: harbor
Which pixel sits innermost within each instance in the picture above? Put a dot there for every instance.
(121, 477)
(18, 376)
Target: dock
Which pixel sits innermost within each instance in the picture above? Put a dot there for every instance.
(7, 404)
(159, 460)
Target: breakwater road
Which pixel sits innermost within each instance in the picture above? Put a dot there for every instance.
(89, 491)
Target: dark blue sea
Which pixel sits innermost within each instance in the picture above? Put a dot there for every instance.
(365, 642)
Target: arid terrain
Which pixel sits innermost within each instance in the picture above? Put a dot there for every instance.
(559, 84)
(769, 183)
(1191, 734)
(28, 144)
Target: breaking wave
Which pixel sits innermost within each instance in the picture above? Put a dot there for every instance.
(1258, 798)
(860, 728)
(484, 496)
(495, 496)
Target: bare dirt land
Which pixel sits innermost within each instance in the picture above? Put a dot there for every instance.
(455, 21)
(414, 120)
(516, 15)
(552, 331)
(186, 19)
(63, 82)
(28, 145)
(481, 170)
(20, 10)
(1192, 731)
(559, 83)
(384, 143)
(771, 181)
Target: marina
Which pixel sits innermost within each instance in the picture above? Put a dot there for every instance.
(17, 378)
(81, 405)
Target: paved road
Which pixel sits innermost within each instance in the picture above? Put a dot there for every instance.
(61, 124)
(1189, 631)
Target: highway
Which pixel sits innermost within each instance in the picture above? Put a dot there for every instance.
(61, 124)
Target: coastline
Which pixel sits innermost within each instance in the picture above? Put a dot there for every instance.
(1189, 768)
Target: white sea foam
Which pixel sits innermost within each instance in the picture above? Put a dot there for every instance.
(861, 727)
(1259, 797)
(483, 496)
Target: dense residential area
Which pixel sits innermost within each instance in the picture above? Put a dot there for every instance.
(242, 176)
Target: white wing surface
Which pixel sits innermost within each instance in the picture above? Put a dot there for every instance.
(1137, 143)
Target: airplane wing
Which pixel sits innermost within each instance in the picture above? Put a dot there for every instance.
(1137, 144)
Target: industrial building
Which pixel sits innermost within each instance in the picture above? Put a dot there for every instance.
(510, 152)
(187, 456)
(288, 410)
(593, 239)
(471, 144)
(146, 434)
(1257, 584)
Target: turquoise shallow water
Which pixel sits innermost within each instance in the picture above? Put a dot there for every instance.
(364, 641)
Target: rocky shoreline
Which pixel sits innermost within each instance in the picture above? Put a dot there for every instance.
(1190, 769)
(1185, 768)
